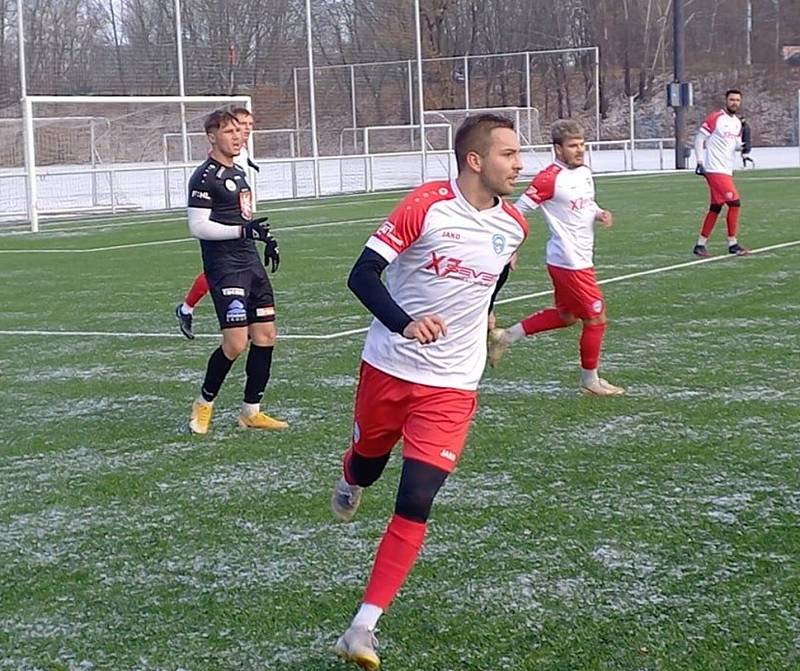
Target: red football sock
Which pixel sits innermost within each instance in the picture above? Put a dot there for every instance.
(198, 290)
(708, 223)
(733, 221)
(544, 320)
(591, 342)
(396, 555)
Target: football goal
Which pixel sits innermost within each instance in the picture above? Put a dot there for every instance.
(104, 153)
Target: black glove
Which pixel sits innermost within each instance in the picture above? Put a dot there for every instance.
(746, 159)
(256, 229)
(253, 165)
(747, 142)
(272, 253)
(700, 169)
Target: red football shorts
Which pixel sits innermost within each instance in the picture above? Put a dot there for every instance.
(576, 292)
(432, 421)
(721, 188)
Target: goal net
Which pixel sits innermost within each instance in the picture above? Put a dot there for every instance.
(90, 153)
(526, 119)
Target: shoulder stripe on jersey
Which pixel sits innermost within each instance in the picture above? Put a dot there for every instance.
(404, 225)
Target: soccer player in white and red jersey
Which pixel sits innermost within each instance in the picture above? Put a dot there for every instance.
(443, 248)
(185, 311)
(564, 191)
(715, 148)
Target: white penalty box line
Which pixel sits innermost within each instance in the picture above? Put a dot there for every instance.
(349, 332)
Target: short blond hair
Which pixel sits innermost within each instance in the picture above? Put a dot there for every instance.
(565, 129)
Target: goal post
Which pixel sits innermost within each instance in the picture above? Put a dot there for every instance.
(125, 163)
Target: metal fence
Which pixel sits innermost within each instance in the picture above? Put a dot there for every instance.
(347, 97)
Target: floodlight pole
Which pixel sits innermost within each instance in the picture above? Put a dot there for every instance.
(420, 93)
(313, 94)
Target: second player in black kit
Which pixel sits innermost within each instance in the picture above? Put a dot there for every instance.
(220, 211)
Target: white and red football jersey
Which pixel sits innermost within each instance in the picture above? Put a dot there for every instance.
(566, 197)
(241, 159)
(444, 257)
(723, 133)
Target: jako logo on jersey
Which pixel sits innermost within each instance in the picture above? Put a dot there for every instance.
(202, 195)
(230, 185)
(452, 235)
(448, 454)
(236, 312)
(498, 243)
(443, 266)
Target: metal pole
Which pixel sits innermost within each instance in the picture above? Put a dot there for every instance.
(798, 120)
(410, 101)
(92, 161)
(421, 93)
(597, 93)
(678, 66)
(165, 147)
(312, 92)
(23, 78)
(252, 175)
(528, 92)
(30, 163)
(466, 82)
(749, 30)
(181, 91)
(633, 128)
(296, 105)
(353, 102)
(27, 124)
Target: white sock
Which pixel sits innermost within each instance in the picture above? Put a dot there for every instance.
(589, 377)
(516, 332)
(250, 409)
(200, 399)
(731, 241)
(186, 309)
(702, 240)
(367, 616)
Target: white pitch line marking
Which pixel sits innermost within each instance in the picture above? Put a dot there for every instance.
(342, 334)
(172, 241)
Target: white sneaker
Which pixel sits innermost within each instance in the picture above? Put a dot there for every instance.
(499, 342)
(358, 645)
(601, 387)
(345, 500)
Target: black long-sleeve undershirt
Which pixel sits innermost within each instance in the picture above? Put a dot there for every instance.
(365, 282)
(500, 282)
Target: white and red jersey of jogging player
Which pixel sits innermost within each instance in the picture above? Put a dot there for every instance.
(566, 197)
(723, 136)
(445, 257)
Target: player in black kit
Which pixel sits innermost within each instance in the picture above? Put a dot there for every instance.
(221, 217)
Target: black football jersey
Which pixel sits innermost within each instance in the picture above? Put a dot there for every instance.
(225, 191)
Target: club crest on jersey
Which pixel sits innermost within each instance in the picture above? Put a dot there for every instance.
(246, 204)
(230, 185)
(498, 243)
